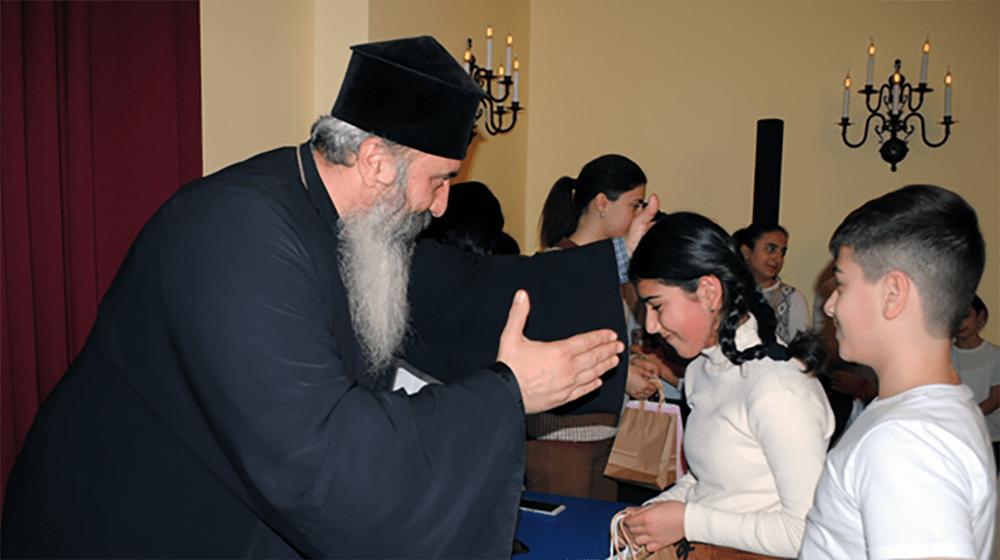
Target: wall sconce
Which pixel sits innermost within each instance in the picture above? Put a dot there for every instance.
(508, 81)
(897, 94)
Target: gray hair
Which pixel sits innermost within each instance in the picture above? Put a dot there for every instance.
(339, 141)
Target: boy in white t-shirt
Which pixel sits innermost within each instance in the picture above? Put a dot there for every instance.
(913, 477)
(977, 362)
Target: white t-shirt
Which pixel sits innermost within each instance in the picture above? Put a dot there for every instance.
(755, 442)
(913, 477)
(979, 368)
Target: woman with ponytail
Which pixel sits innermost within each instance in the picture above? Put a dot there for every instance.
(757, 435)
(568, 448)
(599, 204)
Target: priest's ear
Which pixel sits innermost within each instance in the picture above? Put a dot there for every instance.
(376, 163)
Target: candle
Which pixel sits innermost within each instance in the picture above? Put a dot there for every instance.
(947, 94)
(502, 89)
(871, 62)
(923, 64)
(489, 47)
(468, 61)
(517, 79)
(896, 78)
(847, 94)
(510, 41)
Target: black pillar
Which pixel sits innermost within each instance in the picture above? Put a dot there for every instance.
(767, 171)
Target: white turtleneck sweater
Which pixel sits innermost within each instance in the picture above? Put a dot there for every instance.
(755, 443)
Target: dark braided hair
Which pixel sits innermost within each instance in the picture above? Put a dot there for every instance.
(683, 247)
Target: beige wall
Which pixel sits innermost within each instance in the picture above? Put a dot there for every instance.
(677, 86)
(339, 24)
(269, 68)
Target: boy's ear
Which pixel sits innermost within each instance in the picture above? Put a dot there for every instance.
(376, 166)
(746, 252)
(896, 286)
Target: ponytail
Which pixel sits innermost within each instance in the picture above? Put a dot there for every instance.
(561, 213)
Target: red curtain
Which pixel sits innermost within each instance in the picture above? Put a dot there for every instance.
(101, 112)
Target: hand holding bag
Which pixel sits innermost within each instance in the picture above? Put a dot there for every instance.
(631, 551)
(681, 550)
(647, 449)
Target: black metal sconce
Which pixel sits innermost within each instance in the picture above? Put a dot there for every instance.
(897, 94)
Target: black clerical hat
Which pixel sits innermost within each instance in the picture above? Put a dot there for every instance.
(413, 92)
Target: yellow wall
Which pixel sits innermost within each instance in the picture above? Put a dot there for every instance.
(678, 86)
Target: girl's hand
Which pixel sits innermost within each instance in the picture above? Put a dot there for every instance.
(641, 223)
(651, 361)
(656, 525)
(642, 381)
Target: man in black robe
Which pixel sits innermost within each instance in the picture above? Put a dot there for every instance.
(231, 398)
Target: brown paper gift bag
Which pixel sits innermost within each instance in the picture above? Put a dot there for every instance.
(647, 449)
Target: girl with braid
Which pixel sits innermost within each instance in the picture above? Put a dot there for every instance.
(757, 435)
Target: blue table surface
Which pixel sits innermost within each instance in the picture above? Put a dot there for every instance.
(581, 531)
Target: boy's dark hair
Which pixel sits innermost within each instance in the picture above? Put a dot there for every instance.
(928, 233)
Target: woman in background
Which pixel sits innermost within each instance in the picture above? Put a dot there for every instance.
(568, 448)
(763, 247)
(757, 434)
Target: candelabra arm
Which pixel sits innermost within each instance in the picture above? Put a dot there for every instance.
(878, 93)
(484, 78)
(494, 121)
(844, 123)
(921, 89)
(947, 122)
(514, 110)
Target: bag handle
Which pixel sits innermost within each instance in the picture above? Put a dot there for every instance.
(659, 407)
(617, 529)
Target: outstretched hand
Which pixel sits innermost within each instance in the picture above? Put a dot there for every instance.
(641, 224)
(554, 373)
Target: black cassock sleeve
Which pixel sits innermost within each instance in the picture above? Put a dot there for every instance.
(460, 303)
(257, 326)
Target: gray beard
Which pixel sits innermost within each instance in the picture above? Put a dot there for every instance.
(376, 249)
